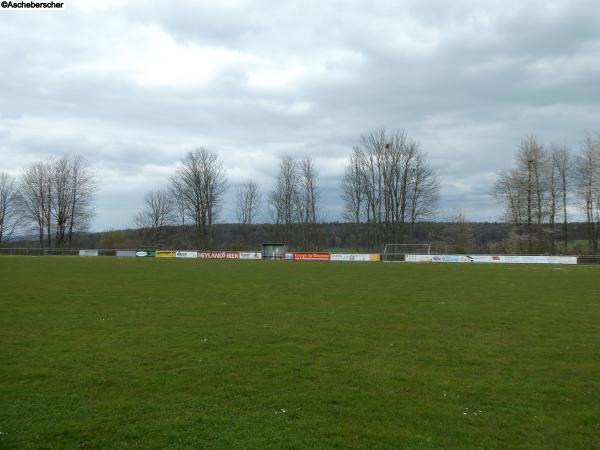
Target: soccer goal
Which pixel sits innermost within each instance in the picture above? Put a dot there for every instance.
(396, 252)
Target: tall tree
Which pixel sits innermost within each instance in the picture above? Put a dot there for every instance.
(563, 163)
(283, 200)
(294, 201)
(424, 191)
(36, 195)
(248, 202)
(82, 187)
(9, 207)
(531, 162)
(388, 184)
(353, 192)
(60, 208)
(56, 196)
(202, 182)
(507, 189)
(308, 198)
(558, 184)
(524, 190)
(536, 192)
(178, 196)
(553, 185)
(588, 187)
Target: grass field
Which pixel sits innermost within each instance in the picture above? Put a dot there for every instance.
(145, 353)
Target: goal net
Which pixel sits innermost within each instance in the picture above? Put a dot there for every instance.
(396, 252)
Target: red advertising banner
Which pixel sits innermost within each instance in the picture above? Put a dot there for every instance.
(312, 256)
(218, 255)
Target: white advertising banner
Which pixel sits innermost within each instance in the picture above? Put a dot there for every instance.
(288, 256)
(218, 255)
(350, 257)
(186, 254)
(250, 255)
(88, 252)
(417, 258)
(493, 259)
(465, 259)
(538, 259)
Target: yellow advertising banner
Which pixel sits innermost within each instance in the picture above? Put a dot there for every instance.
(166, 253)
(375, 257)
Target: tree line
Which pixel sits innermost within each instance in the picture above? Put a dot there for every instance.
(388, 186)
(194, 198)
(545, 186)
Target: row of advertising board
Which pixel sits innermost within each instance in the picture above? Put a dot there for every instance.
(188, 254)
(493, 259)
(348, 257)
(204, 254)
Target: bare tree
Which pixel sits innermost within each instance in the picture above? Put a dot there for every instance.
(178, 196)
(563, 164)
(524, 189)
(388, 184)
(536, 192)
(553, 185)
(309, 191)
(308, 198)
(294, 201)
(202, 183)
(56, 197)
(558, 180)
(507, 189)
(531, 162)
(424, 191)
(60, 208)
(353, 192)
(36, 195)
(82, 188)
(283, 200)
(588, 187)
(526, 194)
(157, 213)
(9, 207)
(248, 202)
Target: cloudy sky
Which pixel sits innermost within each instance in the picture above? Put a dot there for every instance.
(133, 85)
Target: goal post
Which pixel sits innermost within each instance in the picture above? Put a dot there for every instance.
(397, 252)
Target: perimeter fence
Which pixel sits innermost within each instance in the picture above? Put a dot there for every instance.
(303, 256)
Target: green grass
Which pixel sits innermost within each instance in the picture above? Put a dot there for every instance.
(145, 353)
